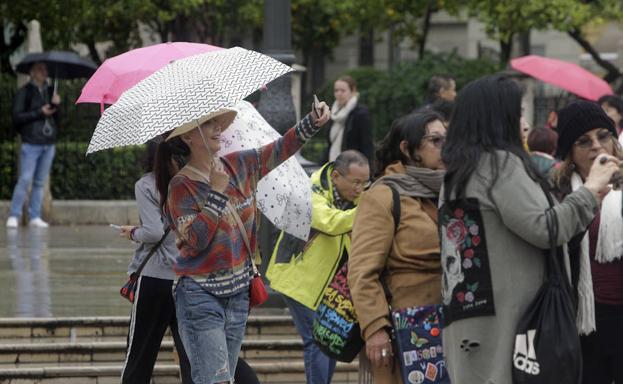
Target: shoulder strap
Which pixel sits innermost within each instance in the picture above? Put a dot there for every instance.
(243, 233)
(152, 251)
(396, 215)
(395, 207)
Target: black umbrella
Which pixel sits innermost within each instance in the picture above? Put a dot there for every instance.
(61, 64)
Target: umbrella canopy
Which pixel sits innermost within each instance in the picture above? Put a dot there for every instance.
(61, 64)
(122, 72)
(284, 195)
(563, 74)
(183, 91)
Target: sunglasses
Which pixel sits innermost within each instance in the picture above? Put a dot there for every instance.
(603, 138)
(437, 140)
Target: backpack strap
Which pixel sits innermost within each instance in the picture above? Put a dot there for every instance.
(395, 207)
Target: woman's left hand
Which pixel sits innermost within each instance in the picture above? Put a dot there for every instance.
(379, 349)
(126, 231)
(325, 114)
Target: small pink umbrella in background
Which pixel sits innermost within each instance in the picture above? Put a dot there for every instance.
(563, 74)
(122, 72)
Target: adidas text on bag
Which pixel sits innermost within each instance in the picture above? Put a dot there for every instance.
(524, 356)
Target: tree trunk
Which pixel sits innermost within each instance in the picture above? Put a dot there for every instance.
(95, 56)
(366, 46)
(317, 69)
(613, 72)
(425, 29)
(506, 47)
(524, 44)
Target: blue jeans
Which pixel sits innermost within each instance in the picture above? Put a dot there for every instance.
(318, 366)
(212, 329)
(36, 161)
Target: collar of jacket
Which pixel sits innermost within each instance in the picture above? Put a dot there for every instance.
(321, 181)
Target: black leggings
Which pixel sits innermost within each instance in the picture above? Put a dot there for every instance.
(602, 351)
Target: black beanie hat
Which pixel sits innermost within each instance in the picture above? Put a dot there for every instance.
(576, 119)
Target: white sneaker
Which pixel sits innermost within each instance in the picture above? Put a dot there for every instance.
(12, 222)
(38, 223)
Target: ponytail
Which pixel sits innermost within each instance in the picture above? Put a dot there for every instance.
(164, 169)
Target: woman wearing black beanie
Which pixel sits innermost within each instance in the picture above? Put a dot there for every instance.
(586, 133)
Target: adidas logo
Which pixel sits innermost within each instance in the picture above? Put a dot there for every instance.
(524, 356)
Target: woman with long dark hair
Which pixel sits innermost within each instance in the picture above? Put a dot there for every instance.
(210, 204)
(410, 162)
(493, 229)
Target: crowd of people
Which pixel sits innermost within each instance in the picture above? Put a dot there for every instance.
(450, 212)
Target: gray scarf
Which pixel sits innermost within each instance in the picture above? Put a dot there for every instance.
(416, 182)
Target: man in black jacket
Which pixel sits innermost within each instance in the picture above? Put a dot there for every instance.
(35, 115)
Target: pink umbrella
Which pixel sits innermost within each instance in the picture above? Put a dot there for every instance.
(563, 74)
(122, 72)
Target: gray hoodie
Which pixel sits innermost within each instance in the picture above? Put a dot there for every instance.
(150, 231)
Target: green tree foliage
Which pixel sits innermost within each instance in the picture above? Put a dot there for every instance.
(504, 19)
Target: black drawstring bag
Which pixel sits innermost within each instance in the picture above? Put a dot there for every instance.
(547, 346)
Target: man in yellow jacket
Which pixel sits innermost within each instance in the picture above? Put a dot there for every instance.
(301, 271)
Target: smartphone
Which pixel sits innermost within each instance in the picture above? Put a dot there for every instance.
(115, 227)
(316, 107)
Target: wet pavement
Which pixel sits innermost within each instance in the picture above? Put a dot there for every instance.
(63, 271)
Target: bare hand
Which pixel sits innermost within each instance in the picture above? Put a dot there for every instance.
(600, 174)
(56, 99)
(126, 231)
(48, 110)
(379, 349)
(219, 179)
(325, 114)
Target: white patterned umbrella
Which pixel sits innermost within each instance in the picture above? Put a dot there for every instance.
(182, 91)
(284, 195)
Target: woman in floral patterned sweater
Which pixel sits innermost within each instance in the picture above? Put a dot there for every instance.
(214, 267)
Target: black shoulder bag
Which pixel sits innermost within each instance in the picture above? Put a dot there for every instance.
(128, 290)
(547, 346)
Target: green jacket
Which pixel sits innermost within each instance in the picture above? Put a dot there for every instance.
(302, 273)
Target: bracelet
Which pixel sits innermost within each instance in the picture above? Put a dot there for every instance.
(132, 233)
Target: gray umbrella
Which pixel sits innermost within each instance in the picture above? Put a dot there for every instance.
(61, 64)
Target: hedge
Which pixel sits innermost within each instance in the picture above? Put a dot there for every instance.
(111, 174)
(104, 175)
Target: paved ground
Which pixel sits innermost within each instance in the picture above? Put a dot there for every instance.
(62, 271)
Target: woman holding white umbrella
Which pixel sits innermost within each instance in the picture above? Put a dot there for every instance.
(210, 204)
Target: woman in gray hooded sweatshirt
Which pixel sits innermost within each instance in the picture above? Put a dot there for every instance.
(493, 229)
(153, 309)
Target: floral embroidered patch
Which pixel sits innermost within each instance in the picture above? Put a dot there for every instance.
(466, 284)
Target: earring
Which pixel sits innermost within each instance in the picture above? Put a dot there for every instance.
(572, 166)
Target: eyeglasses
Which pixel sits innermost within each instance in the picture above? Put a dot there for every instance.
(437, 140)
(356, 183)
(603, 138)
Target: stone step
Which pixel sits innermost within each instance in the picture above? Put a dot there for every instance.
(100, 328)
(268, 372)
(97, 352)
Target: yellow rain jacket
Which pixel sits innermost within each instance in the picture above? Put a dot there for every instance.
(303, 275)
